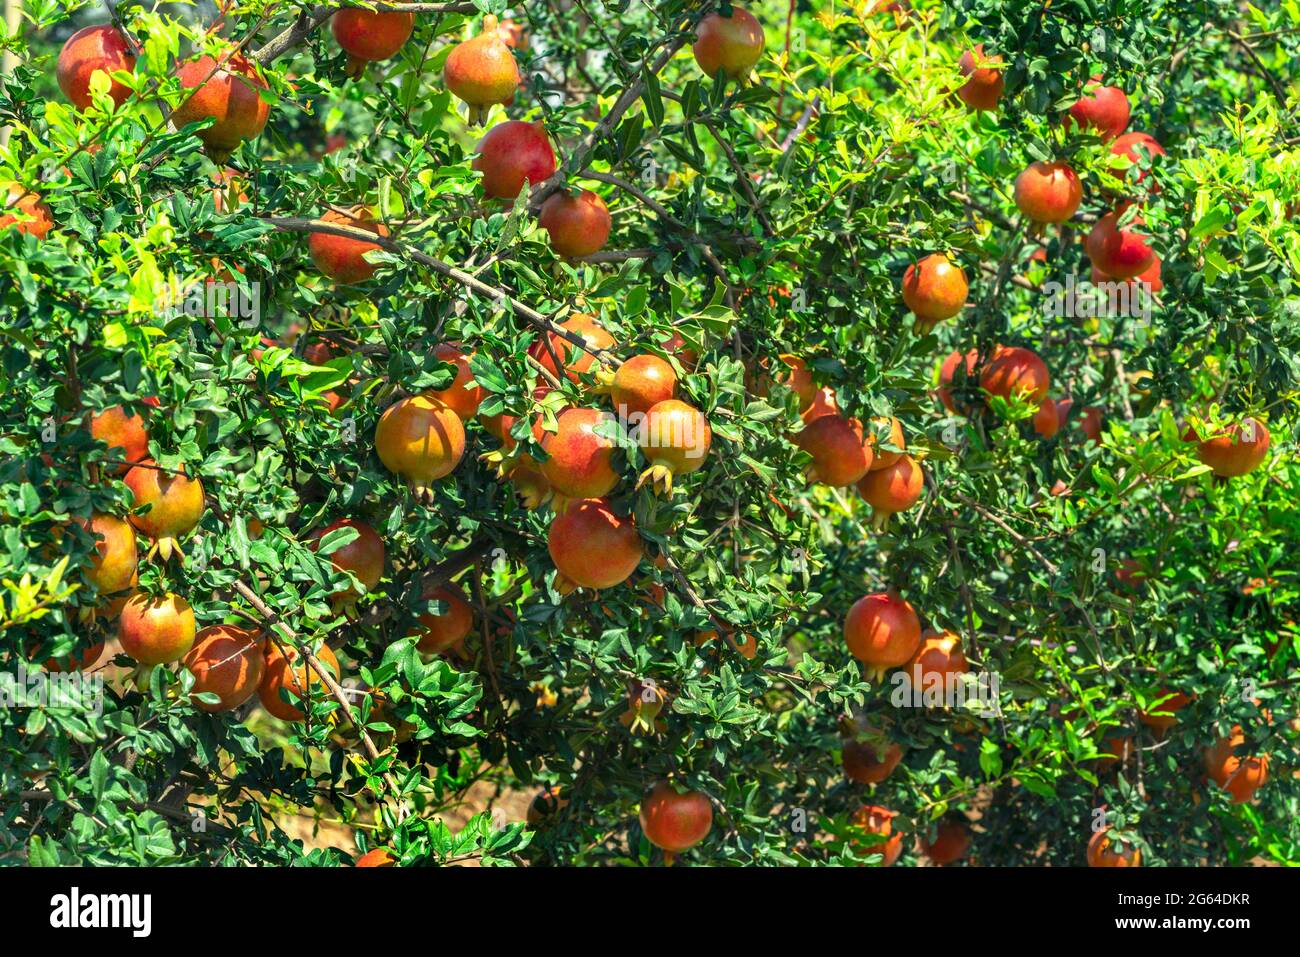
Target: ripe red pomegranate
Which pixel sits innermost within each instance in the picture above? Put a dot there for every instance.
(948, 371)
(376, 857)
(938, 659)
(877, 824)
(592, 546)
(731, 44)
(840, 453)
(421, 439)
(882, 631)
(1015, 370)
(227, 91)
(885, 429)
(439, 633)
(99, 47)
(1103, 851)
(370, 35)
(25, 212)
(342, 258)
(228, 662)
(675, 822)
(1103, 110)
(482, 71)
(1047, 420)
(580, 460)
(1236, 450)
(461, 397)
(1090, 423)
(512, 154)
(892, 489)
(1121, 252)
(578, 225)
(1240, 777)
(870, 758)
(1132, 146)
(1048, 192)
(175, 505)
(984, 80)
(1162, 716)
(155, 631)
(362, 557)
(575, 359)
(675, 438)
(640, 382)
(287, 670)
(934, 289)
(124, 433)
(112, 567)
(823, 404)
(951, 842)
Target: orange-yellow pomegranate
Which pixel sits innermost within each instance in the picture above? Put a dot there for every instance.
(1236, 450)
(1105, 852)
(439, 633)
(288, 670)
(1048, 192)
(877, 825)
(376, 857)
(227, 90)
(482, 71)
(883, 632)
(885, 429)
(125, 435)
(640, 382)
(367, 36)
(362, 557)
(342, 258)
(1015, 370)
(592, 546)
(840, 453)
(421, 439)
(578, 225)
(1162, 716)
(951, 841)
(1240, 777)
(98, 47)
(892, 489)
(798, 379)
(1103, 110)
(937, 661)
(675, 438)
(731, 44)
(934, 289)
(575, 359)
(511, 154)
(984, 80)
(675, 822)
(461, 397)
(175, 505)
(871, 758)
(1119, 252)
(155, 631)
(24, 211)
(112, 567)
(228, 662)
(580, 460)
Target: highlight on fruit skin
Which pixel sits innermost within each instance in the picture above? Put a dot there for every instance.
(226, 661)
(592, 546)
(124, 433)
(1015, 370)
(579, 463)
(938, 661)
(578, 225)
(227, 91)
(342, 258)
(892, 489)
(1048, 192)
(841, 455)
(882, 631)
(1101, 109)
(512, 154)
(100, 47)
(1121, 252)
(640, 382)
(482, 71)
(934, 289)
(575, 359)
(730, 45)
(1105, 851)
(156, 630)
(675, 822)
(176, 504)
(675, 438)
(367, 36)
(113, 563)
(420, 439)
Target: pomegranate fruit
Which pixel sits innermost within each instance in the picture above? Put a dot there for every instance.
(578, 225)
(984, 80)
(363, 557)
(24, 211)
(1048, 192)
(1162, 716)
(547, 803)
(823, 403)
(463, 396)
(482, 71)
(1090, 423)
(641, 382)
(675, 438)
(870, 759)
(1103, 110)
(421, 439)
(112, 567)
(580, 460)
(1015, 370)
(1119, 252)
(731, 44)
(675, 822)
(951, 841)
(72, 662)
(1240, 777)
(1236, 450)
(877, 825)
(934, 289)
(840, 453)
(287, 670)
(747, 646)
(228, 91)
(892, 489)
(1047, 420)
(574, 359)
(367, 36)
(883, 632)
(124, 433)
(512, 154)
(175, 505)
(937, 662)
(98, 47)
(799, 380)
(948, 371)
(228, 662)
(1132, 146)
(439, 633)
(1103, 851)
(885, 429)
(592, 546)
(342, 258)
(156, 630)
(376, 857)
